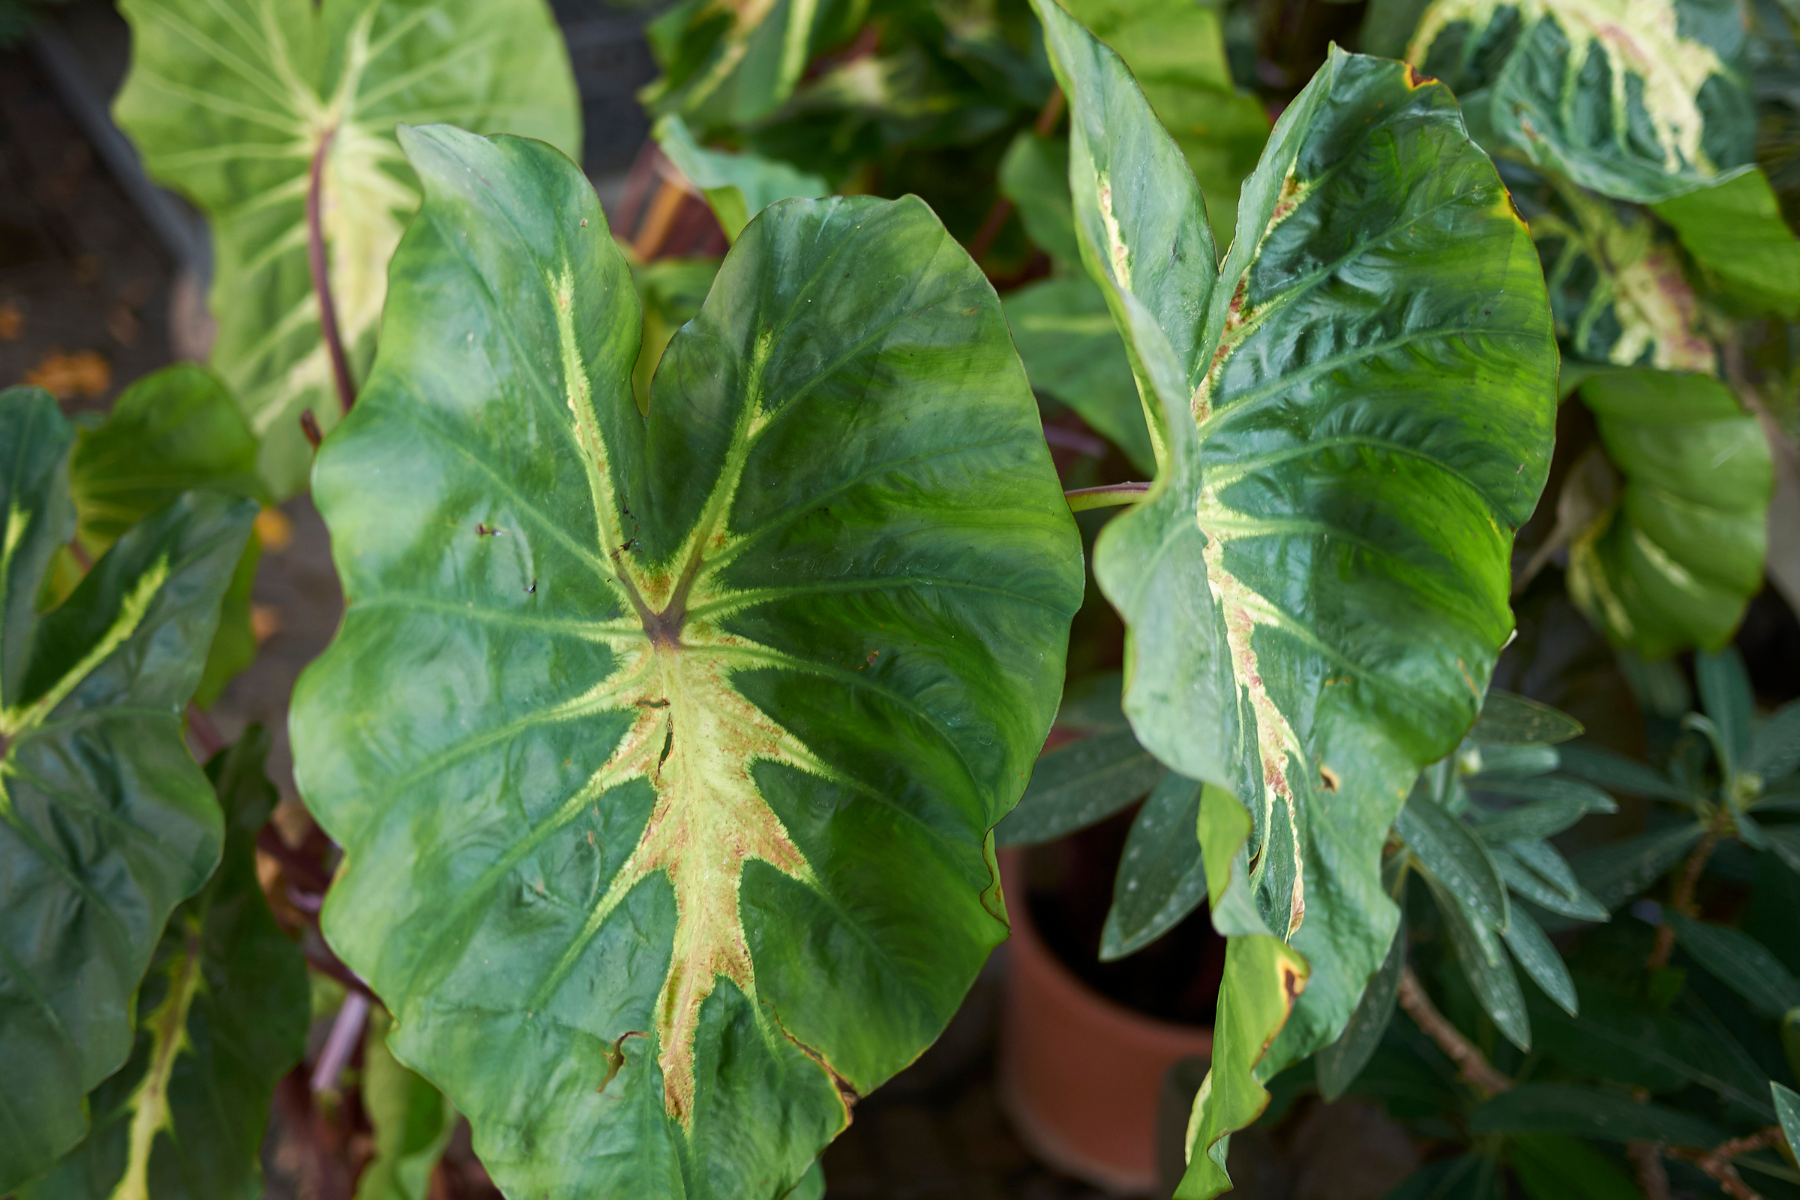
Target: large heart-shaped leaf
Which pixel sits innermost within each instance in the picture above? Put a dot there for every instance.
(171, 431)
(231, 102)
(222, 1016)
(1677, 551)
(1637, 99)
(106, 822)
(1354, 413)
(664, 750)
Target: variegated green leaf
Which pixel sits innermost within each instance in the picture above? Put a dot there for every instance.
(1353, 414)
(106, 822)
(1617, 285)
(231, 102)
(222, 1016)
(1637, 99)
(665, 749)
(1678, 551)
(730, 62)
(738, 186)
(171, 431)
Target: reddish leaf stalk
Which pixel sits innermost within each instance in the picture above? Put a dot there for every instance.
(320, 268)
(1105, 497)
(1470, 1061)
(1682, 900)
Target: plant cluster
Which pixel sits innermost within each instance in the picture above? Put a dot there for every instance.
(707, 616)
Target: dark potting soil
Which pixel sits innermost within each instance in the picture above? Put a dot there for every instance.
(1175, 978)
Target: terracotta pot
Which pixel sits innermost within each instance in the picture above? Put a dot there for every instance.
(1080, 1075)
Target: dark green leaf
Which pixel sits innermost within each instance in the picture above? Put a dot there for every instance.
(1785, 842)
(1469, 1177)
(1725, 694)
(222, 1016)
(1552, 805)
(1613, 770)
(665, 749)
(1340, 1063)
(169, 432)
(1450, 853)
(1034, 175)
(1522, 875)
(1074, 786)
(1775, 748)
(1484, 963)
(1511, 762)
(1554, 1167)
(1073, 354)
(1590, 1113)
(738, 186)
(1510, 720)
(1614, 874)
(106, 822)
(1161, 876)
(1091, 704)
(229, 102)
(1676, 562)
(1787, 1104)
(1740, 962)
(1535, 78)
(1735, 232)
(1534, 951)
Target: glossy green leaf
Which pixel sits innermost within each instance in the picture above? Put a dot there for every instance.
(1518, 864)
(1617, 286)
(1507, 719)
(106, 822)
(738, 186)
(1555, 1167)
(1618, 872)
(1534, 952)
(1340, 1063)
(1787, 1104)
(1262, 980)
(1590, 1113)
(1484, 963)
(1034, 175)
(1725, 695)
(222, 1016)
(664, 750)
(1550, 806)
(1073, 354)
(412, 1121)
(1509, 762)
(1176, 52)
(230, 101)
(1674, 563)
(1317, 420)
(1450, 853)
(1613, 770)
(1740, 962)
(1076, 785)
(169, 432)
(1735, 233)
(1161, 877)
(1636, 99)
(1775, 747)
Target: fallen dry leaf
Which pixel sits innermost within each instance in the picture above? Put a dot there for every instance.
(83, 373)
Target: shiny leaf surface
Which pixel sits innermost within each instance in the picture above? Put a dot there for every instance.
(1161, 877)
(1746, 251)
(665, 749)
(230, 102)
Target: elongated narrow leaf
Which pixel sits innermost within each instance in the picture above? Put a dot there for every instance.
(1556, 1167)
(1512, 762)
(1550, 806)
(1590, 1113)
(738, 186)
(1341, 1062)
(1072, 352)
(665, 750)
(1263, 978)
(1523, 880)
(412, 1120)
(1450, 853)
(1507, 719)
(106, 822)
(1787, 1104)
(1740, 962)
(1775, 748)
(1725, 695)
(1076, 785)
(1613, 770)
(1675, 563)
(1616, 873)
(222, 1016)
(230, 102)
(1735, 232)
(1535, 953)
(1484, 962)
(1640, 100)
(1361, 394)
(171, 431)
(1162, 877)
(731, 62)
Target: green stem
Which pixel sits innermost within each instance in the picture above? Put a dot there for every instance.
(1112, 494)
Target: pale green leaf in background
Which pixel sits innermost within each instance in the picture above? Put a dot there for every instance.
(737, 185)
